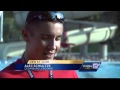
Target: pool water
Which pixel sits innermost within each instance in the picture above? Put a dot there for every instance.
(4, 63)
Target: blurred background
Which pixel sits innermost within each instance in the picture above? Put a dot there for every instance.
(88, 36)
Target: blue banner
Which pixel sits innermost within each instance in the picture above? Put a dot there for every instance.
(47, 66)
(86, 66)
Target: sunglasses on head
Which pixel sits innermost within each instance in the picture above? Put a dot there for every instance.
(49, 16)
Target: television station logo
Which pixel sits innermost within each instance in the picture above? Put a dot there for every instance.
(90, 66)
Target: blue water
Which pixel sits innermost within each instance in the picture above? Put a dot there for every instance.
(106, 70)
(4, 63)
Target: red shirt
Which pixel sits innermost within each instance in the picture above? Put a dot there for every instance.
(9, 73)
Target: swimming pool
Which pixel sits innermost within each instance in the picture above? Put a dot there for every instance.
(4, 63)
(106, 70)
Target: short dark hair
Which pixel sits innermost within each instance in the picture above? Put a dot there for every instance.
(43, 16)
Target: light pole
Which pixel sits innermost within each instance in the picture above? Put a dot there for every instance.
(1, 26)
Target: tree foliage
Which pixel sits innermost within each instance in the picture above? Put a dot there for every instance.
(11, 32)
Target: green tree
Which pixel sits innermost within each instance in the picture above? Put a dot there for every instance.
(11, 32)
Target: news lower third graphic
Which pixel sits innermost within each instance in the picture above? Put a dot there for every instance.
(58, 65)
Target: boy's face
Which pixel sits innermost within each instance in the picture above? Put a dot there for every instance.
(45, 41)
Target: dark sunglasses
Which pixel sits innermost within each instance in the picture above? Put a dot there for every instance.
(49, 16)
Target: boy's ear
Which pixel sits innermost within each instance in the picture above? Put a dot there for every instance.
(25, 34)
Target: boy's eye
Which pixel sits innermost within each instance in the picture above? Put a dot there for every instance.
(58, 38)
(44, 37)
